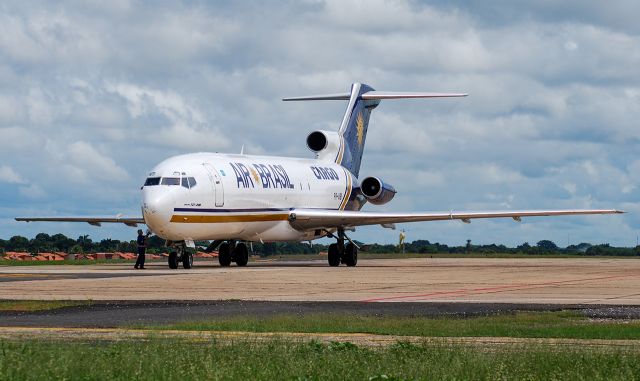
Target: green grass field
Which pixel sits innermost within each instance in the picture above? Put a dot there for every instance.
(565, 324)
(282, 360)
(276, 358)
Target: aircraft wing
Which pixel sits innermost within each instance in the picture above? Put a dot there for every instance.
(96, 221)
(307, 219)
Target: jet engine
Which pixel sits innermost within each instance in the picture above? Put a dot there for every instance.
(376, 191)
(323, 141)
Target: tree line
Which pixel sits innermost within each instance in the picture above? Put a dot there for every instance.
(43, 242)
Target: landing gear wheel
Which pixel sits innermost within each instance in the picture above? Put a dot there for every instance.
(334, 255)
(241, 254)
(173, 260)
(187, 260)
(351, 255)
(224, 255)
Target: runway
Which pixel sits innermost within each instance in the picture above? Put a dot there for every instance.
(553, 281)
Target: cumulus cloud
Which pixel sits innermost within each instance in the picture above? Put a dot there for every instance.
(96, 93)
(9, 175)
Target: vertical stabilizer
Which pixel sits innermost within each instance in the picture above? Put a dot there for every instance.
(353, 129)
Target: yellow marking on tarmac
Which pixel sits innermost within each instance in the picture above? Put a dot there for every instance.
(23, 275)
(200, 219)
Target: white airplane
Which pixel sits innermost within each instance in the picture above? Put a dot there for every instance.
(232, 199)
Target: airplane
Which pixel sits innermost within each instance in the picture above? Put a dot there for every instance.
(231, 199)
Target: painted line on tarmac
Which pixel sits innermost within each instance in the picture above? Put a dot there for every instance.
(488, 290)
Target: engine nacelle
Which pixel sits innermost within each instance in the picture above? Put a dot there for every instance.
(376, 191)
(326, 144)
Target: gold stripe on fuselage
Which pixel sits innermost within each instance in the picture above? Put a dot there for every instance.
(347, 192)
(340, 151)
(208, 219)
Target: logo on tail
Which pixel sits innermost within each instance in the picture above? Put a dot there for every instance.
(360, 128)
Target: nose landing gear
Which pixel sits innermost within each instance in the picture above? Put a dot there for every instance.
(179, 253)
(341, 253)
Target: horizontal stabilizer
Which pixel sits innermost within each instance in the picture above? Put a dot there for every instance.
(401, 95)
(375, 95)
(326, 97)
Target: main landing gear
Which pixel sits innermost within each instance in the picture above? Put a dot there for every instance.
(341, 253)
(231, 251)
(179, 253)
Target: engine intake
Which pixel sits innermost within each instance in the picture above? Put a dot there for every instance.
(376, 191)
(317, 141)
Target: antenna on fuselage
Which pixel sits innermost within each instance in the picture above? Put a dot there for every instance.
(242, 150)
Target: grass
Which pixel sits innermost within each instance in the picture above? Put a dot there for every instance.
(564, 324)
(38, 305)
(283, 360)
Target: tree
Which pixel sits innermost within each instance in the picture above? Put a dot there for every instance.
(18, 243)
(61, 242)
(547, 246)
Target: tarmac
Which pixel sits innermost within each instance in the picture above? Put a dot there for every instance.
(552, 281)
(123, 297)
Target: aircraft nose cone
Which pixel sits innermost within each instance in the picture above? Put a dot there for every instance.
(157, 208)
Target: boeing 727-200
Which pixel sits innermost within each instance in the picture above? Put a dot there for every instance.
(232, 199)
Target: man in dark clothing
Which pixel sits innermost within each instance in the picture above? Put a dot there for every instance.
(142, 248)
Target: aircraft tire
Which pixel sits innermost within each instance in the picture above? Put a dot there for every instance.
(173, 260)
(351, 255)
(334, 255)
(241, 254)
(187, 260)
(224, 255)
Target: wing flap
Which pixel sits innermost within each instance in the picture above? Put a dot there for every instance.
(306, 219)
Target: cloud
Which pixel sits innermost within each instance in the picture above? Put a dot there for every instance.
(8, 175)
(33, 191)
(94, 94)
(88, 162)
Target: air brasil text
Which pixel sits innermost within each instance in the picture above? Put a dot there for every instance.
(267, 175)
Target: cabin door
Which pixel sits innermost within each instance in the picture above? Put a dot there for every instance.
(216, 183)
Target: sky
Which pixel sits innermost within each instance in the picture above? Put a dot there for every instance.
(93, 94)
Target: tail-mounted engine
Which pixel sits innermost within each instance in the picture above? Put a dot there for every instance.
(326, 144)
(376, 191)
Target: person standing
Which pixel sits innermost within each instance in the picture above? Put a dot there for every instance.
(142, 248)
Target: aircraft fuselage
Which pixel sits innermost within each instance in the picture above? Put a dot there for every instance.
(208, 196)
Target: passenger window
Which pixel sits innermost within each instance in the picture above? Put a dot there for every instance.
(192, 182)
(152, 181)
(185, 182)
(170, 181)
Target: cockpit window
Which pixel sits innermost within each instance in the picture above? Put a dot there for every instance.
(170, 181)
(188, 182)
(152, 181)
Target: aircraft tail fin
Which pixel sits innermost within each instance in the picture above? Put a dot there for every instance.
(353, 129)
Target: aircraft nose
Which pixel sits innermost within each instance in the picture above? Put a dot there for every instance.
(157, 208)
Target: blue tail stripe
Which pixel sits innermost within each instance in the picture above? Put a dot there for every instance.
(354, 127)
